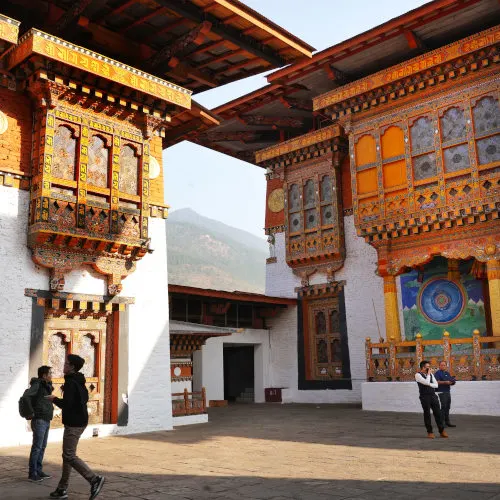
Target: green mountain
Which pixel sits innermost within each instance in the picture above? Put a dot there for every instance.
(206, 253)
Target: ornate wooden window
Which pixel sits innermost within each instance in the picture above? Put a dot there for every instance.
(422, 149)
(57, 351)
(295, 209)
(98, 168)
(64, 158)
(326, 352)
(454, 140)
(129, 170)
(446, 156)
(326, 201)
(310, 210)
(486, 115)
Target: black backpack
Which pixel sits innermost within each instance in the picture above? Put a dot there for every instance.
(24, 409)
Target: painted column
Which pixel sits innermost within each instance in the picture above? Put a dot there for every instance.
(493, 273)
(392, 328)
(453, 269)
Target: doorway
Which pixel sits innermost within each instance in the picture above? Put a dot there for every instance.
(87, 338)
(239, 376)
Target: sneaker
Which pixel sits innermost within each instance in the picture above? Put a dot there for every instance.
(96, 486)
(430, 435)
(35, 479)
(42, 475)
(443, 434)
(59, 493)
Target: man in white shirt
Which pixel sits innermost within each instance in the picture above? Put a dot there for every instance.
(427, 384)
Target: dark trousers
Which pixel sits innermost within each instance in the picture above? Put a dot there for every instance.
(40, 430)
(431, 402)
(445, 399)
(70, 460)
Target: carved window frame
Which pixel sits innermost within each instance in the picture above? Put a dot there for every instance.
(138, 150)
(75, 130)
(108, 142)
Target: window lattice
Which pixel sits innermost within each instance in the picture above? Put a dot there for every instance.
(64, 158)
(129, 170)
(98, 162)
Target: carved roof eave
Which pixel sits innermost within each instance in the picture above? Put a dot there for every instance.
(314, 144)
(411, 77)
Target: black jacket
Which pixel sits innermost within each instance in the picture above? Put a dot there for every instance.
(74, 401)
(35, 399)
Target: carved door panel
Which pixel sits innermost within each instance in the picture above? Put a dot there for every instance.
(87, 338)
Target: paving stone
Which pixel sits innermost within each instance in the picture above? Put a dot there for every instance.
(281, 452)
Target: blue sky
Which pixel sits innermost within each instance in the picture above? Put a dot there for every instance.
(232, 191)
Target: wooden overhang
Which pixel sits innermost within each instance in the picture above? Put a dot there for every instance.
(283, 109)
(9, 32)
(236, 296)
(197, 44)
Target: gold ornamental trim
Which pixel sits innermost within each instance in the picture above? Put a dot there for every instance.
(408, 68)
(298, 143)
(9, 29)
(38, 42)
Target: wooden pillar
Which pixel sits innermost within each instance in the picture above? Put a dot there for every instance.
(392, 327)
(453, 270)
(493, 274)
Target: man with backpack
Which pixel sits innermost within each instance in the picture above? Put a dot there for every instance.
(34, 406)
(75, 418)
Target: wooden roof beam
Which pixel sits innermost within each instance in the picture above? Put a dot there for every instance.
(291, 102)
(222, 57)
(167, 28)
(145, 18)
(414, 41)
(186, 71)
(124, 6)
(190, 11)
(195, 36)
(208, 47)
(71, 16)
(274, 121)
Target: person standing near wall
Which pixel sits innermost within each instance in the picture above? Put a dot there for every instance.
(40, 412)
(75, 418)
(445, 381)
(426, 386)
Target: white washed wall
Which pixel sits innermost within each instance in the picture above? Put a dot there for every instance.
(209, 362)
(467, 398)
(364, 303)
(149, 349)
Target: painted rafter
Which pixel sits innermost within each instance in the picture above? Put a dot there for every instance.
(293, 103)
(195, 36)
(229, 33)
(71, 16)
(274, 121)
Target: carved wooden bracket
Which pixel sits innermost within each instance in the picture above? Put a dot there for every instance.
(61, 261)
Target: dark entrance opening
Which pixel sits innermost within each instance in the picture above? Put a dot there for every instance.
(239, 374)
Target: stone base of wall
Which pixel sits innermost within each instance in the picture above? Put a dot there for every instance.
(190, 419)
(467, 398)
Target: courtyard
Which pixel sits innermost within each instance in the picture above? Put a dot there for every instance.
(282, 452)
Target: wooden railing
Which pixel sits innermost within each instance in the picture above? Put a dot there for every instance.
(189, 403)
(473, 358)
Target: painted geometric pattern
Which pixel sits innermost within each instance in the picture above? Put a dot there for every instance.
(294, 198)
(441, 300)
(326, 215)
(488, 150)
(57, 354)
(64, 161)
(98, 162)
(424, 166)
(453, 125)
(87, 350)
(456, 158)
(129, 170)
(422, 135)
(311, 218)
(486, 116)
(326, 188)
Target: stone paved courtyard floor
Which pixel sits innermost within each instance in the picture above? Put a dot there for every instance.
(282, 452)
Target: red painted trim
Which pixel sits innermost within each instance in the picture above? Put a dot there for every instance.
(240, 296)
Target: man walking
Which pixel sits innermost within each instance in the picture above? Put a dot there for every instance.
(426, 385)
(41, 412)
(445, 381)
(75, 419)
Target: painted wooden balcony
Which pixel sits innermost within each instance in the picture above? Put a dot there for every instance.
(189, 403)
(472, 358)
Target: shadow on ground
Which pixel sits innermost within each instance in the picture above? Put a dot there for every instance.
(345, 425)
(129, 486)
